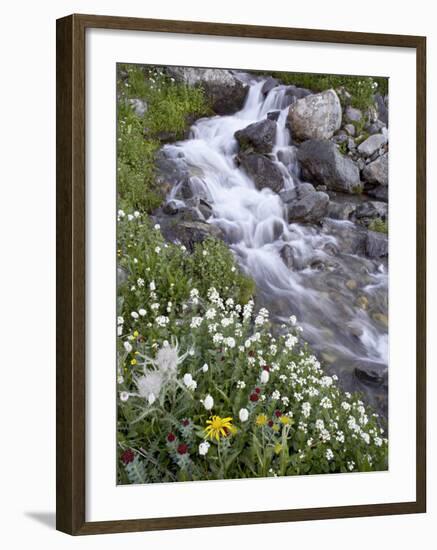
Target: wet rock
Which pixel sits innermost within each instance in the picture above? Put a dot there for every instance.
(350, 129)
(376, 244)
(372, 144)
(170, 170)
(291, 257)
(339, 139)
(139, 106)
(377, 171)
(372, 209)
(381, 318)
(317, 116)
(268, 85)
(380, 193)
(288, 195)
(321, 162)
(293, 94)
(273, 115)
(225, 91)
(173, 206)
(351, 284)
(362, 302)
(189, 233)
(259, 136)
(263, 171)
(352, 115)
(193, 186)
(341, 210)
(351, 238)
(311, 208)
(370, 371)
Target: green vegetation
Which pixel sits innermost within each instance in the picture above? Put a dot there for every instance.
(361, 89)
(206, 391)
(169, 108)
(379, 225)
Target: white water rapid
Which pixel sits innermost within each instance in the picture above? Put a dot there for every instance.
(338, 319)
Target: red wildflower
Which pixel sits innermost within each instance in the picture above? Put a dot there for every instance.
(270, 423)
(182, 448)
(185, 422)
(254, 397)
(257, 390)
(171, 437)
(127, 456)
(251, 353)
(278, 414)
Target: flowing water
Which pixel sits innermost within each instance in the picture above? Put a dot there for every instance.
(340, 299)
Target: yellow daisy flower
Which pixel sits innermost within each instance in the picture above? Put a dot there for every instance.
(278, 448)
(261, 420)
(219, 427)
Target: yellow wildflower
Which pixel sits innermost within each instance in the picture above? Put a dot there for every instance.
(136, 334)
(133, 362)
(261, 420)
(285, 420)
(278, 448)
(219, 427)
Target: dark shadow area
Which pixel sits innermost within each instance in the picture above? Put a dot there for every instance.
(46, 518)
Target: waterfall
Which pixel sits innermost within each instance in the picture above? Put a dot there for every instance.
(257, 229)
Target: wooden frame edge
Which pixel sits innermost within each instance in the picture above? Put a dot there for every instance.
(70, 274)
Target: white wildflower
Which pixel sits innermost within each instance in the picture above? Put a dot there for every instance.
(127, 346)
(329, 454)
(124, 396)
(152, 286)
(243, 415)
(306, 409)
(205, 368)
(142, 312)
(204, 448)
(264, 378)
(208, 402)
(134, 314)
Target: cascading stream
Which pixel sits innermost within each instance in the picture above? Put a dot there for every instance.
(254, 222)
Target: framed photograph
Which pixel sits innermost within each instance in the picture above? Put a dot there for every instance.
(240, 274)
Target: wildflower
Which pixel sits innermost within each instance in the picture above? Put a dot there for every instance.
(329, 454)
(156, 227)
(261, 420)
(243, 415)
(133, 362)
(292, 320)
(254, 397)
(320, 424)
(326, 403)
(276, 395)
(326, 381)
(171, 437)
(134, 314)
(149, 386)
(142, 312)
(264, 378)
(127, 456)
(205, 368)
(366, 437)
(230, 342)
(285, 420)
(204, 448)
(152, 286)
(196, 322)
(182, 448)
(189, 382)
(241, 384)
(278, 448)
(219, 427)
(124, 396)
(350, 465)
(162, 320)
(345, 406)
(378, 441)
(208, 402)
(306, 409)
(210, 314)
(121, 214)
(120, 380)
(120, 320)
(127, 346)
(157, 249)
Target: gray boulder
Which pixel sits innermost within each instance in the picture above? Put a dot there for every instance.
(224, 90)
(341, 210)
(316, 116)
(376, 244)
(139, 106)
(311, 208)
(379, 193)
(372, 209)
(370, 372)
(377, 171)
(321, 162)
(352, 115)
(268, 85)
(259, 136)
(190, 233)
(382, 108)
(263, 171)
(372, 144)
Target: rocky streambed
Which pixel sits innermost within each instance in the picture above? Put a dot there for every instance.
(295, 182)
